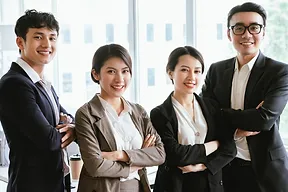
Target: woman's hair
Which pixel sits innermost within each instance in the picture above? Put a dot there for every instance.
(180, 51)
(106, 52)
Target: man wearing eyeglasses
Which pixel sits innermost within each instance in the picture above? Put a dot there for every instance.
(251, 90)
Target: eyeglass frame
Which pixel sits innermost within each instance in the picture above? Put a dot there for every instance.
(247, 28)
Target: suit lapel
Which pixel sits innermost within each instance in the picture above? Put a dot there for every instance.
(102, 122)
(210, 131)
(256, 73)
(41, 88)
(227, 82)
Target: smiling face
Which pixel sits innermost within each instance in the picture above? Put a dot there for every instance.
(39, 48)
(246, 44)
(114, 78)
(187, 75)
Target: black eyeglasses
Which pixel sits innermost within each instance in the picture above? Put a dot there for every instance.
(240, 29)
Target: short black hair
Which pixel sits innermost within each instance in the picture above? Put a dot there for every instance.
(35, 19)
(106, 52)
(180, 51)
(247, 7)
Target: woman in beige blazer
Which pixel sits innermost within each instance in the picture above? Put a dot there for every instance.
(116, 138)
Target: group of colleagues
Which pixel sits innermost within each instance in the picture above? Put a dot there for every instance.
(225, 139)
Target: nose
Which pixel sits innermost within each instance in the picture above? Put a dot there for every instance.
(246, 34)
(46, 42)
(119, 77)
(191, 75)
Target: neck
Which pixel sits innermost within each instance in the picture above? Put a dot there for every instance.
(116, 103)
(38, 68)
(244, 59)
(185, 100)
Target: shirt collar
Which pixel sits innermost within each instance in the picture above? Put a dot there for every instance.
(105, 104)
(33, 75)
(250, 64)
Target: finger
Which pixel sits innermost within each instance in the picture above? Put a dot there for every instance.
(66, 143)
(146, 138)
(64, 129)
(259, 105)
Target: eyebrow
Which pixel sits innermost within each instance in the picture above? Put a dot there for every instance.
(240, 23)
(116, 69)
(200, 67)
(40, 33)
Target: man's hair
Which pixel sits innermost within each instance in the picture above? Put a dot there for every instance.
(247, 7)
(35, 19)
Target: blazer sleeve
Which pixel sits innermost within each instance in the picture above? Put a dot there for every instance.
(18, 102)
(176, 154)
(94, 163)
(262, 119)
(150, 156)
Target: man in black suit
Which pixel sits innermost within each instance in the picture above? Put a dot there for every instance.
(30, 110)
(252, 91)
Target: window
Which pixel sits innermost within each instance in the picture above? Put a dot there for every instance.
(67, 82)
(168, 32)
(109, 33)
(65, 34)
(150, 32)
(219, 31)
(88, 34)
(151, 76)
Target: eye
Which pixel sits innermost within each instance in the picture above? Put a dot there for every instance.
(53, 38)
(38, 37)
(184, 69)
(111, 71)
(238, 28)
(126, 71)
(197, 71)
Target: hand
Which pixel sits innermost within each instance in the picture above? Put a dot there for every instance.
(69, 136)
(149, 141)
(193, 168)
(242, 133)
(65, 119)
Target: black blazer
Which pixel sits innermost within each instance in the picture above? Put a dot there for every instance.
(268, 82)
(28, 120)
(170, 178)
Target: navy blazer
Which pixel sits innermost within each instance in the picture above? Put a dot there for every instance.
(169, 177)
(268, 82)
(28, 121)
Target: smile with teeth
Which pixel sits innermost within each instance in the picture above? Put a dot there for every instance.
(44, 52)
(246, 43)
(118, 87)
(190, 84)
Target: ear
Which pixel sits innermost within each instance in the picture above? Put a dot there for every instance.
(95, 75)
(229, 35)
(20, 43)
(170, 74)
(264, 32)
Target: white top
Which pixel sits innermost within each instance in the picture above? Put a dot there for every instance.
(125, 133)
(239, 84)
(190, 132)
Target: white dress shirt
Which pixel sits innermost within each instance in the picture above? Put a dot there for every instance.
(239, 84)
(125, 133)
(190, 132)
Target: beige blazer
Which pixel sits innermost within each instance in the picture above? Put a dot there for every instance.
(94, 135)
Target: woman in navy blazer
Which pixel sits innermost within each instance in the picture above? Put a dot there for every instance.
(195, 154)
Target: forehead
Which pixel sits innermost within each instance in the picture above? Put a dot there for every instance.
(43, 30)
(115, 62)
(246, 18)
(189, 61)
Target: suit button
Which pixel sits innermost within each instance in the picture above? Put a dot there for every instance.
(221, 182)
